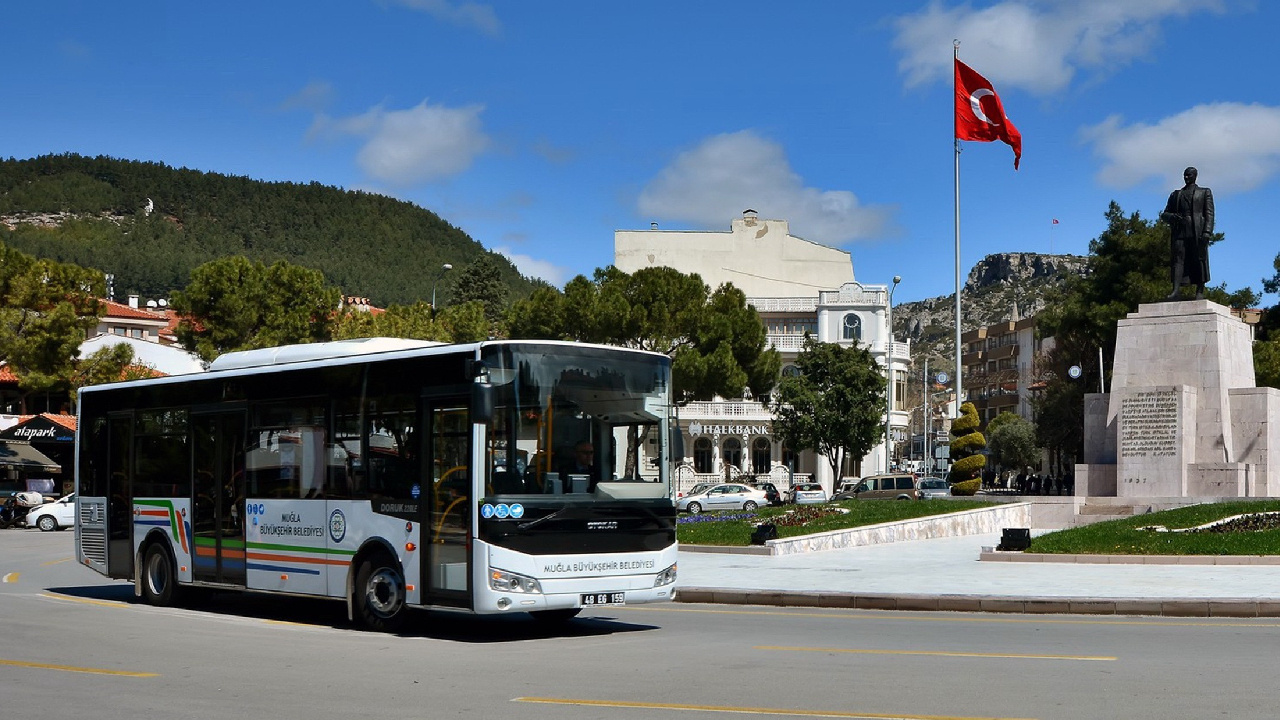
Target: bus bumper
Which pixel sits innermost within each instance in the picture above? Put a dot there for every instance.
(571, 581)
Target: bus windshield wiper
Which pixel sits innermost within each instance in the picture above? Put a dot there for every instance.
(544, 518)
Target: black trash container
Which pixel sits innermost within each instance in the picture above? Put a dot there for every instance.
(1015, 539)
(764, 531)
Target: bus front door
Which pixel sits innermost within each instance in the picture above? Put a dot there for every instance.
(218, 502)
(448, 506)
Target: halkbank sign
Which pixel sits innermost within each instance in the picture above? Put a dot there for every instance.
(697, 428)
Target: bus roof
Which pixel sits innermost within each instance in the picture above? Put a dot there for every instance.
(314, 351)
(315, 354)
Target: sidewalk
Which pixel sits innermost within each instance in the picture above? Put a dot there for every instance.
(945, 574)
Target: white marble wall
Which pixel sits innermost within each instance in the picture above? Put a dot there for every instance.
(968, 522)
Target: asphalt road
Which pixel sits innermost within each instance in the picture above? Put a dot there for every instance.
(77, 645)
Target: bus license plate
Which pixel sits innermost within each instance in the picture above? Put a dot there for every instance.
(615, 598)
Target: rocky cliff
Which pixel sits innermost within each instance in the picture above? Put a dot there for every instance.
(1004, 286)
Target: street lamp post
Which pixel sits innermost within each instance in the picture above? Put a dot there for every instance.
(888, 371)
(925, 461)
(443, 269)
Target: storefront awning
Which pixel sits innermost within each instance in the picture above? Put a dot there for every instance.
(21, 455)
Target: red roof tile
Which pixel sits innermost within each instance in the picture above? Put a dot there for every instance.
(66, 421)
(120, 310)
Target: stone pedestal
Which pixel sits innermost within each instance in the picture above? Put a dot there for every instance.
(1156, 443)
(1183, 418)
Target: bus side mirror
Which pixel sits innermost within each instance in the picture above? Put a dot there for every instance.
(481, 401)
(676, 443)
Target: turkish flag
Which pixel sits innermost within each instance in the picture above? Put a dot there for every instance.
(979, 113)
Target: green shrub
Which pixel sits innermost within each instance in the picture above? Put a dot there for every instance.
(968, 487)
(966, 446)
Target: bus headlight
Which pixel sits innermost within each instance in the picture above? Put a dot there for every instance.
(666, 577)
(504, 581)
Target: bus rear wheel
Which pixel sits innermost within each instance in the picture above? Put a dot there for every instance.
(159, 581)
(380, 595)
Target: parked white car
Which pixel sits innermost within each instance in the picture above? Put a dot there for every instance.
(57, 515)
(807, 494)
(725, 496)
(928, 488)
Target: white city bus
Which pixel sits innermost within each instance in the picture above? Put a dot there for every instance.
(389, 474)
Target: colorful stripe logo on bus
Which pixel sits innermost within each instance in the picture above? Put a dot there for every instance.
(161, 513)
(273, 557)
(208, 552)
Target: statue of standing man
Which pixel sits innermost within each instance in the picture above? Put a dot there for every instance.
(1189, 213)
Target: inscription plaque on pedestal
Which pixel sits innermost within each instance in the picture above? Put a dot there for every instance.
(1154, 426)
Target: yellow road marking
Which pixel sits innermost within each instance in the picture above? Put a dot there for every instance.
(749, 710)
(913, 616)
(939, 653)
(72, 668)
(55, 562)
(86, 601)
(10, 578)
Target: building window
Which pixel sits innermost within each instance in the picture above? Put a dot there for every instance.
(702, 455)
(851, 467)
(761, 455)
(790, 458)
(791, 326)
(136, 333)
(731, 452)
(790, 371)
(852, 327)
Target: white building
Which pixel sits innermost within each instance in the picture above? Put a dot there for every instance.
(798, 287)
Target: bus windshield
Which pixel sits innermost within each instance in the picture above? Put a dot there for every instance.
(580, 423)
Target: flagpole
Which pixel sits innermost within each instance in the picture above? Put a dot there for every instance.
(955, 138)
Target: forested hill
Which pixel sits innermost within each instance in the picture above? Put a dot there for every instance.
(92, 212)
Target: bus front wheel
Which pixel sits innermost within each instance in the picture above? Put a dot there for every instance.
(380, 595)
(159, 581)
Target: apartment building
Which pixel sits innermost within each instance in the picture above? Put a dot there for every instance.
(1000, 373)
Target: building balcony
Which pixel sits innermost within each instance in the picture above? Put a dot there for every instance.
(738, 411)
(1004, 351)
(785, 343)
(900, 351)
(784, 305)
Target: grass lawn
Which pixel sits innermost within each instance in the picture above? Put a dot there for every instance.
(1123, 537)
(734, 528)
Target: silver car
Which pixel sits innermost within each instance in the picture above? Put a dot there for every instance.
(807, 494)
(725, 496)
(696, 490)
(928, 488)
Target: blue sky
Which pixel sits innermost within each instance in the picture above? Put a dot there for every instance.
(539, 128)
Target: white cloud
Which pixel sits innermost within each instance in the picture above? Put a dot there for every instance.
(1236, 147)
(465, 14)
(315, 97)
(420, 144)
(712, 184)
(535, 268)
(1035, 45)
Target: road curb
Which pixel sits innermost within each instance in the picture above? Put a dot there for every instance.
(991, 555)
(1046, 605)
